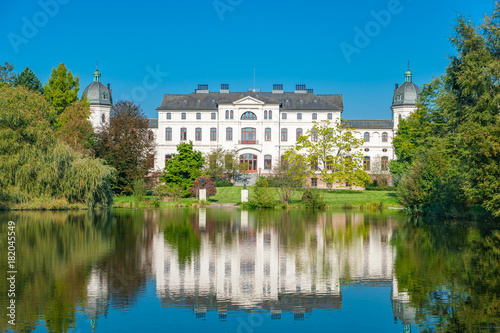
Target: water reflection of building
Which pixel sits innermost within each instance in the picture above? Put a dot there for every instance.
(97, 297)
(267, 269)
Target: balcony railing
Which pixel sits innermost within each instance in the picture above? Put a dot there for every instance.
(248, 142)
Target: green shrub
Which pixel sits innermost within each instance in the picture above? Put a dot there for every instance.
(263, 196)
(313, 199)
(223, 183)
(139, 190)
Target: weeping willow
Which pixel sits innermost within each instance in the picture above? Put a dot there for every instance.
(37, 166)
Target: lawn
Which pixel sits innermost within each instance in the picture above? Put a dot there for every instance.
(333, 199)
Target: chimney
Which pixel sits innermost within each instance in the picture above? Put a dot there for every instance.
(277, 88)
(397, 86)
(300, 89)
(202, 89)
(224, 88)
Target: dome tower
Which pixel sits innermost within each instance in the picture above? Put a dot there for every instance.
(404, 99)
(100, 99)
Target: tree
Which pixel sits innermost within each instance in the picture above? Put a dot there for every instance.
(184, 167)
(124, 144)
(289, 173)
(209, 186)
(75, 128)
(35, 165)
(7, 74)
(29, 80)
(332, 150)
(221, 164)
(62, 88)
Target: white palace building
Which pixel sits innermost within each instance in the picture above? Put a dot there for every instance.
(260, 126)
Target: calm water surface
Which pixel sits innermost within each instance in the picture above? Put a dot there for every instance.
(212, 270)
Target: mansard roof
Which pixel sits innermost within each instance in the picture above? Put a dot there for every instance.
(287, 100)
(369, 123)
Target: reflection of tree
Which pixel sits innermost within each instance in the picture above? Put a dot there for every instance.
(182, 237)
(452, 275)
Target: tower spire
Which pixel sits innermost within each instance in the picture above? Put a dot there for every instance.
(97, 74)
(408, 73)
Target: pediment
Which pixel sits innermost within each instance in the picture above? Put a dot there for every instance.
(248, 101)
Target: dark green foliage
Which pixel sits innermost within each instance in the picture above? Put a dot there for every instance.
(29, 80)
(184, 167)
(125, 145)
(35, 165)
(209, 186)
(313, 199)
(458, 119)
(223, 183)
(262, 196)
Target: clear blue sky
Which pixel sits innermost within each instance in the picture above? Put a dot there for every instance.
(288, 42)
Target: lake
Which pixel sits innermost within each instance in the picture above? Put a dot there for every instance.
(231, 270)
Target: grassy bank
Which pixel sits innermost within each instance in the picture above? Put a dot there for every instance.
(333, 199)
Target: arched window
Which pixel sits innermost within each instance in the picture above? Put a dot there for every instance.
(169, 115)
(214, 115)
(298, 133)
(314, 135)
(366, 163)
(315, 116)
(197, 135)
(183, 134)
(227, 114)
(150, 136)
(198, 115)
(283, 116)
(384, 162)
(299, 116)
(267, 162)
(232, 114)
(284, 134)
(270, 114)
(267, 135)
(168, 134)
(103, 118)
(248, 135)
(367, 137)
(330, 116)
(183, 115)
(213, 134)
(229, 134)
(248, 116)
(384, 137)
(265, 114)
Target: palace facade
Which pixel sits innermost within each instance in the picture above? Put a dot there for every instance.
(260, 126)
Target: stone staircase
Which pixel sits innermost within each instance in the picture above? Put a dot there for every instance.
(247, 179)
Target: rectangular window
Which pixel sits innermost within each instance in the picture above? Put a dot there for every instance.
(213, 134)
(197, 136)
(315, 116)
(229, 134)
(169, 115)
(183, 134)
(267, 136)
(299, 133)
(198, 115)
(284, 134)
(314, 135)
(168, 134)
(267, 162)
(283, 116)
(330, 116)
(314, 182)
(183, 115)
(299, 116)
(168, 158)
(214, 115)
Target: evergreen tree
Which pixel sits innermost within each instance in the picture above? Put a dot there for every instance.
(62, 88)
(184, 167)
(7, 74)
(28, 79)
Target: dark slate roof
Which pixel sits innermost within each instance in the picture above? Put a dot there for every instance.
(288, 100)
(369, 124)
(95, 93)
(153, 123)
(409, 93)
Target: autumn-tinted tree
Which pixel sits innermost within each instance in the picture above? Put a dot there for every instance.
(75, 128)
(124, 143)
(209, 186)
(7, 74)
(184, 167)
(62, 88)
(334, 151)
(29, 80)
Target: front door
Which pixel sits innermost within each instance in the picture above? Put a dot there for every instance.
(251, 162)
